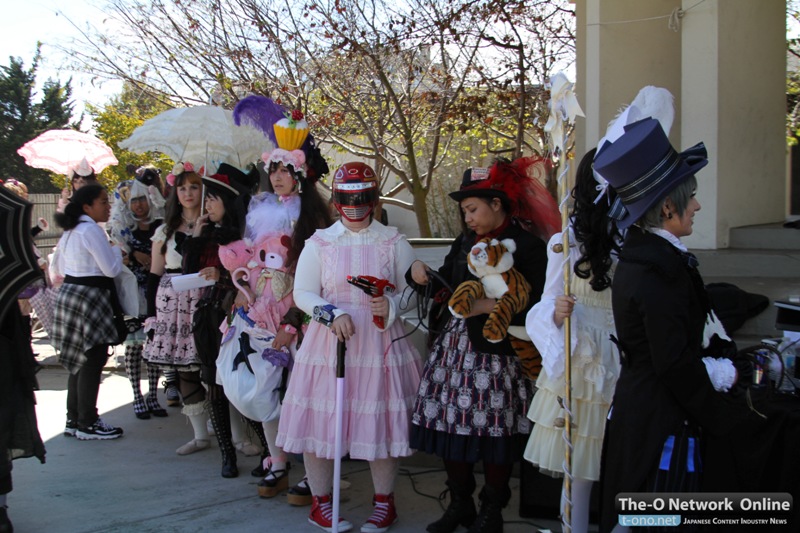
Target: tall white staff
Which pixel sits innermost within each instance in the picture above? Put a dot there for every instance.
(341, 348)
(564, 108)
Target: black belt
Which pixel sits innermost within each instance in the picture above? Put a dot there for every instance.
(173, 271)
(101, 282)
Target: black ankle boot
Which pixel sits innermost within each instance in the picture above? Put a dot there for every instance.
(229, 468)
(461, 510)
(490, 519)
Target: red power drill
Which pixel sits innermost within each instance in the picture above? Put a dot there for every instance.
(373, 287)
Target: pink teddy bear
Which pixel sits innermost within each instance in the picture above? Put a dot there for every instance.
(236, 254)
(269, 287)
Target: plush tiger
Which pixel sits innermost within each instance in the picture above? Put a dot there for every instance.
(492, 261)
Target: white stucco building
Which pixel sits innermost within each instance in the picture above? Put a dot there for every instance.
(725, 63)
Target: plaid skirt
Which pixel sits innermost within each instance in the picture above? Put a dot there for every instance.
(43, 302)
(83, 318)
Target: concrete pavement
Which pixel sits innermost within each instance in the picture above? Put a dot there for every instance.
(138, 484)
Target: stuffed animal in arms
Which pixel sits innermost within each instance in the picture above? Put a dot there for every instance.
(492, 262)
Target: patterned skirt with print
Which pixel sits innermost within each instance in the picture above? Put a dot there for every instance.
(471, 406)
(173, 342)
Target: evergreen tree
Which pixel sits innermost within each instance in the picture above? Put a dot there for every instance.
(55, 109)
(22, 119)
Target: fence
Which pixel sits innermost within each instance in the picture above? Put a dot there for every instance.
(44, 206)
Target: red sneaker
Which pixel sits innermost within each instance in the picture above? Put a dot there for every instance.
(383, 516)
(322, 514)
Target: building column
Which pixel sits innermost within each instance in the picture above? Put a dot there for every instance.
(734, 86)
(725, 66)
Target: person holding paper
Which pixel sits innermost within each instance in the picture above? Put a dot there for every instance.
(169, 324)
(219, 226)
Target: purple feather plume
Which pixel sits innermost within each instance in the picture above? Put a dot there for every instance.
(260, 112)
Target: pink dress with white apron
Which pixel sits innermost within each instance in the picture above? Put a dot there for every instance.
(381, 376)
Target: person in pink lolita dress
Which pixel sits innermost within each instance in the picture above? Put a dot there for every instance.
(170, 342)
(382, 371)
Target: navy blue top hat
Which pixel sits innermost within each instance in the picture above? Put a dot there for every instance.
(643, 167)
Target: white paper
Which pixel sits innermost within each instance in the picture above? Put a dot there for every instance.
(190, 281)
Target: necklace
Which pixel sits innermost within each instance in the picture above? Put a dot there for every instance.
(189, 223)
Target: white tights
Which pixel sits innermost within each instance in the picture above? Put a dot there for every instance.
(320, 474)
(238, 430)
(271, 434)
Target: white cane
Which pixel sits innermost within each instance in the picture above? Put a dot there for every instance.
(341, 348)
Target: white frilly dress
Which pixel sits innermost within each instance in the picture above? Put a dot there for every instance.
(595, 369)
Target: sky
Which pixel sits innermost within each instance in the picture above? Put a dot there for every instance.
(24, 22)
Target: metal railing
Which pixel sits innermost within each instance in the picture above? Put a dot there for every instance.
(430, 241)
(44, 206)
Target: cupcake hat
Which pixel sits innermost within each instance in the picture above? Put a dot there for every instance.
(291, 131)
(288, 131)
